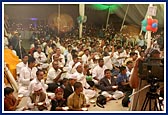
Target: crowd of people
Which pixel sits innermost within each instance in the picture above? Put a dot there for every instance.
(75, 70)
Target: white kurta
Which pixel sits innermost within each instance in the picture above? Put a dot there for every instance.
(108, 62)
(120, 61)
(82, 78)
(19, 66)
(26, 74)
(87, 92)
(52, 74)
(62, 62)
(42, 56)
(85, 59)
(98, 72)
(69, 58)
(34, 108)
(34, 82)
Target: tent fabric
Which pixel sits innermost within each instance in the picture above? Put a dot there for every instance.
(11, 61)
(137, 12)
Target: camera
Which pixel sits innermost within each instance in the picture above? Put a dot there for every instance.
(151, 68)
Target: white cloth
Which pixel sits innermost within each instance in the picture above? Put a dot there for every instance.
(116, 95)
(98, 72)
(71, 69)
(77, 64)
(92, 65)
(69, 58)
(82, 78)
(19, 66)
(128, 72)
(87, 92)
(72, 76)
(42, 56)
(14, 52)
(62, 62)
(6, 42)
(34, 108)
(35, 82)
(108, 62)
(85, 58)
(120, 61)
(52, 74)
(26, 74)
(37, 87)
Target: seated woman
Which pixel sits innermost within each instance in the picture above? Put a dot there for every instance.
(38, 100)
(58, 102)
(10, 101)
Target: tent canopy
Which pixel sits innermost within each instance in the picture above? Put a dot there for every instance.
(96, 13)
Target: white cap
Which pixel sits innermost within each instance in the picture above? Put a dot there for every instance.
(37, 87)
(96, 57)
(77, 64)
(72, 76)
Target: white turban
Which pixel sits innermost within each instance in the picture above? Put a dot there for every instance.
(77, 64)
(72, 76)
(37, 87)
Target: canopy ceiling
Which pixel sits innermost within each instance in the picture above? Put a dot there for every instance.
(95, 14)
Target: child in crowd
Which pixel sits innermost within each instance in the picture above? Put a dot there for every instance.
(10, 101)
(58, 102)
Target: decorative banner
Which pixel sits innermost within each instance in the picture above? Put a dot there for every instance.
(152, 10)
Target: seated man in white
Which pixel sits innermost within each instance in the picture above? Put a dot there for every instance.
(27, 74)
(89, 93)
(108, 57)
(20, 65)
(60, 56)
(38, 101)
(98, 71)
(68, 54)
(71, 66)
(86, 56)
(38, 80)
(54, 76)
(120, 56)
(40, 57)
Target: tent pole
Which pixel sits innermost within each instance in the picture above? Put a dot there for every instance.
(81, 13)
(124, 18)
(58, 20)
(149, 33)
(107, 21)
